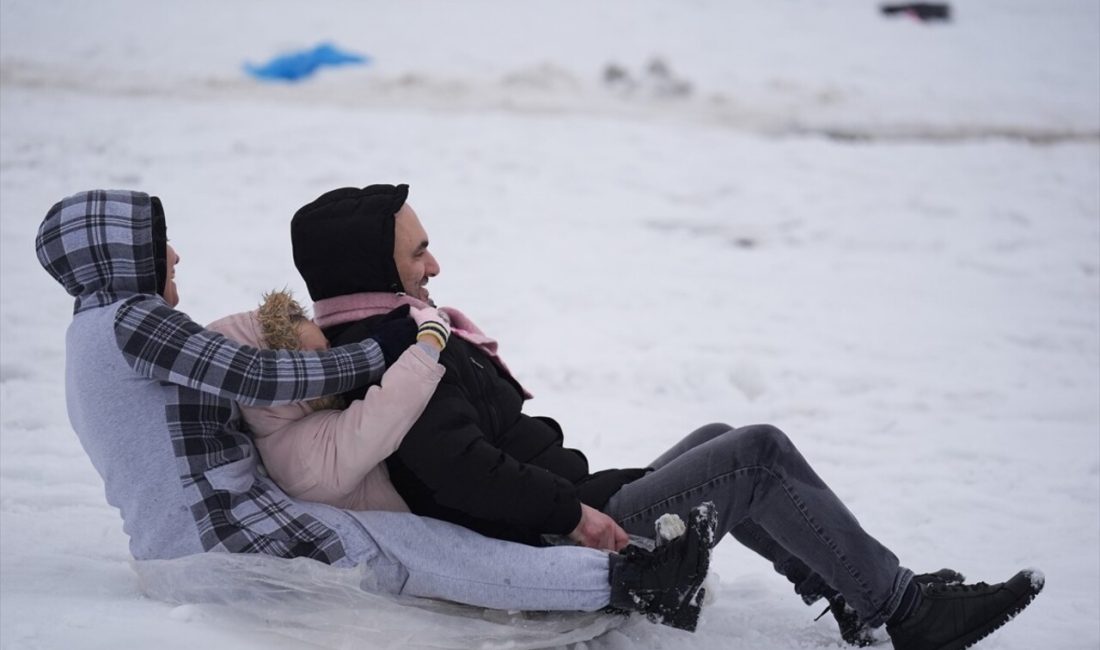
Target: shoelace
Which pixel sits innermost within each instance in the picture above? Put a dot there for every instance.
(828, 608)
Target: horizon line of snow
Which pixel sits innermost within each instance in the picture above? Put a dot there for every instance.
(551, 96)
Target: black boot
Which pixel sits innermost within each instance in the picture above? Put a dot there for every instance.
(665, 583)
(855, 631)
(953, 617)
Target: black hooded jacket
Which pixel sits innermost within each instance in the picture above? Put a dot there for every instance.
(473, 458)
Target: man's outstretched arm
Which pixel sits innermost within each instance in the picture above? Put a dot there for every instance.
(161, 343)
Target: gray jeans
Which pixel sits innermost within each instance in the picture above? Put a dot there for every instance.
(770, 499)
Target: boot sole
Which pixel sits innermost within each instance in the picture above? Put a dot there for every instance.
(1036, 580)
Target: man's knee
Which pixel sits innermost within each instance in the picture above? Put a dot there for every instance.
(767, 441)
(709, 432)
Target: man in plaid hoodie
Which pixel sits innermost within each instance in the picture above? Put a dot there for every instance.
(152, 397)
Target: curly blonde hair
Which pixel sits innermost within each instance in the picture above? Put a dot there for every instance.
(279, 316)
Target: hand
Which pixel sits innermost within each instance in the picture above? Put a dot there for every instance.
(432, 325)
(597, 530)
(394, 333)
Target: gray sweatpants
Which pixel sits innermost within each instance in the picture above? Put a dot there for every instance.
(419, 556)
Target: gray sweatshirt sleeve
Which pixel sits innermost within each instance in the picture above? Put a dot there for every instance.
(161, 343)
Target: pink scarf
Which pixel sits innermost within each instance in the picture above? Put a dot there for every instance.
(357, 306)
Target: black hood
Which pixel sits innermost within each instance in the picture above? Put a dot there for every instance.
(343, 241)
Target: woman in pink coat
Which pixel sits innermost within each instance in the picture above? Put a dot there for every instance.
(318, 452)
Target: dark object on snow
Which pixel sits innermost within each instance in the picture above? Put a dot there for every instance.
(617, 77)
(664, 83)
(924, 11)
(657, 80)
(296, 66)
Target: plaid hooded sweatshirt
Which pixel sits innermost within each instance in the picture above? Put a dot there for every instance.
(151, 396)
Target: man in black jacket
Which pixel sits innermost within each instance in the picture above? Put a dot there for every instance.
(476, 459)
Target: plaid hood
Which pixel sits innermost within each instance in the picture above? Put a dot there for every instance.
(104, 246)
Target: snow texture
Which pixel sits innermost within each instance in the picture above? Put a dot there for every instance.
(879, 235)
(1037, 578)
(669, 526)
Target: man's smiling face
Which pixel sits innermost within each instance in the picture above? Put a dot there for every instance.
(415, 265)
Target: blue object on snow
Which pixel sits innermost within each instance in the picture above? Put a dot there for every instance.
(296, 66)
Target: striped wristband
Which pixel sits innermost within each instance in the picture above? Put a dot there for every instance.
(434, 330)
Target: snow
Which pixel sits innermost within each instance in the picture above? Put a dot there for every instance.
(669, 526)
(1037, 578)
(881, 236)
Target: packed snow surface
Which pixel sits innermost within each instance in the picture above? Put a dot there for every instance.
(880, 235)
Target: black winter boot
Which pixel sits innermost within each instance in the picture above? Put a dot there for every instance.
(953, 617)
(665, 583)
(855, 631)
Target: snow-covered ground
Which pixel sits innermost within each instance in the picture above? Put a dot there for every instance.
(879, 235)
